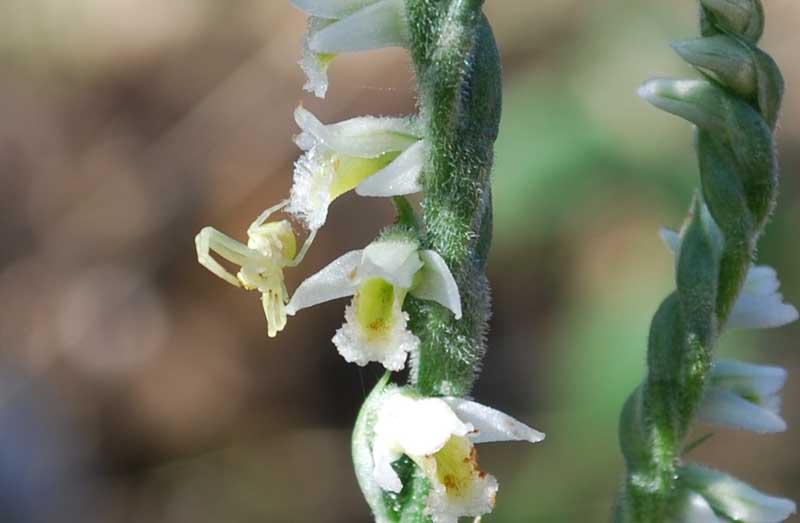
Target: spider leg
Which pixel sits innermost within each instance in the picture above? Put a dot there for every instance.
(303, 250)
(211, 240)
(265, 215)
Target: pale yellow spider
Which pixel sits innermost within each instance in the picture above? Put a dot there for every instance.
(270, 248)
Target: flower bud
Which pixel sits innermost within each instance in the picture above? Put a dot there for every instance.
(722, 58)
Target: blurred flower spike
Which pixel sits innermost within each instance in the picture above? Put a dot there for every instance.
(760, 304)
(271, 247)
(438, 435)
(715, 497)
(374, 156)
(338, 26)
(379, 277)
(743, 395)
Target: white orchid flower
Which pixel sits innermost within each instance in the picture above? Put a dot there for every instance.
(760, 304)
(743, 395)
(439, 435)
(379, 277)
(731, 499)
(374, 156)
(270, 248)
(338, 26)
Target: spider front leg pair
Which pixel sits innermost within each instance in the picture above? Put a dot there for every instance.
(271, 247)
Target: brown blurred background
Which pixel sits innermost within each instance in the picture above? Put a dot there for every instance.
(136, 387)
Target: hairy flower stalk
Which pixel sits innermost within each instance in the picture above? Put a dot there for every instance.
(420, 296)
(735, 110)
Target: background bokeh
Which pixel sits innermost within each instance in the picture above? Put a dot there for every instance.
(136, 387)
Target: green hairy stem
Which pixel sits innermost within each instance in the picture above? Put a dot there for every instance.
(458, 73)
(735, 111)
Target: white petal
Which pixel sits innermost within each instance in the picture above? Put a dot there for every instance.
(723, 407)
(382, 472)
(395, 261)
(737, 500)
(330, 8)
(760, 312)
(760, 305)
(491, 424)
(436, 283)
(379, 25)
(391, 350)
(313, 65)
(671, 239)
(763, 380)
(400, 177)
(362, 137)
(337, 280)
(761, 280)
(419, 427)
(693, 508)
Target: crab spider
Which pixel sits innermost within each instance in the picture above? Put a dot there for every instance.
(270, 248)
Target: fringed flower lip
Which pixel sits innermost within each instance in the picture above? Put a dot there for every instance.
(375, 156)
(439, 436)
(271, 247)
(339, 26)
(379, 277)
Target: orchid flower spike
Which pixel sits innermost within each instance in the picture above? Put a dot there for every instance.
(379, 277)
(374, 156)
(760, 304)
(270, 248)
(338, 26)
(439, 436)
(743, 395)
(715, 497)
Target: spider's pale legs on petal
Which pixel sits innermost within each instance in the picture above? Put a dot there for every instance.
(270, 248)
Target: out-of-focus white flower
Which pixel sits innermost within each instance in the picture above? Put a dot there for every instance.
(760, 304)
(743, 395)
(731, 499)
(338, 26)
(439, 435)
(270, 248)
(374, 156)
(691, 507)
(379, 277)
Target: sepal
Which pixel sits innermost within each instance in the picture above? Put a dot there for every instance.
(744, 18)
(698, 101)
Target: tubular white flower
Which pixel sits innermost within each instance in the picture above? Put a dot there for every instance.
(743, 395)
(347, 26)
(439, 434)
(375, 156)
(378, 278)
(270, 248)
(760, 304)
(735, 500)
